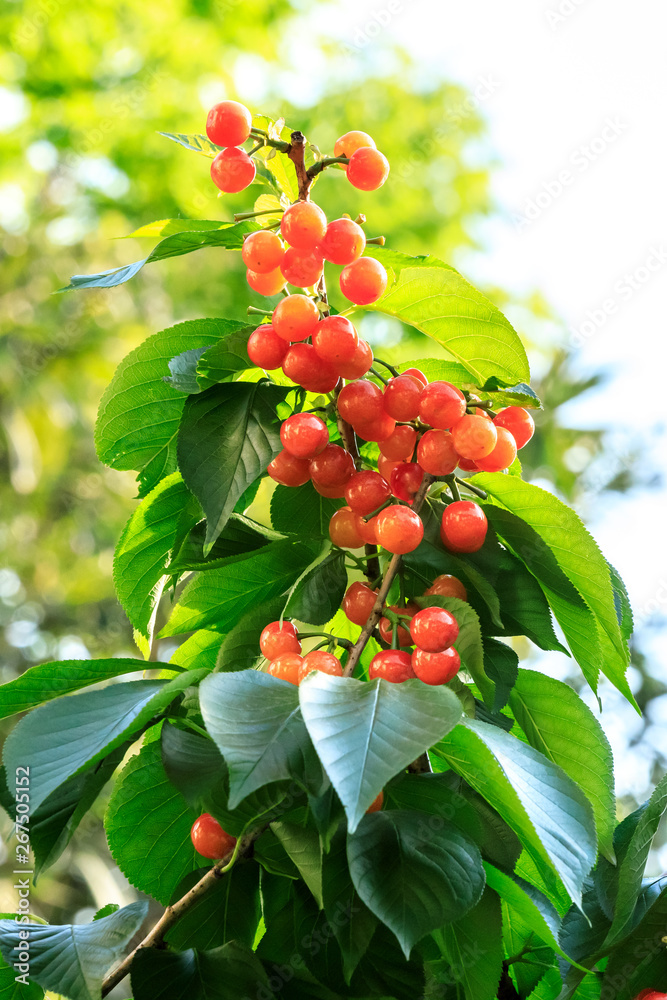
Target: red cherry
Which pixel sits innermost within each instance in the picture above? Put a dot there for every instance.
(367, 530)
(332, 467)
(403, 636)
(400, 444)
(332, 492)
(387, 465)
(209, 839)
(228, 123)
(343, 529)
(303, 225)
(358, 603)
(502, 455)
(518, 422)
(359, 363)
(651, 994)
(349, 143)
(376, 804)
(363, 281)
(366, 491)
(419, 375)
(447, 585)
(286, 667)
(320, 660)
(399, 529)
(376, 430)
(278, 638)
(302, 268)
(406, 480)
(368, 169)
(335, 340)
(295, 317)
(288, 470)
(360, 402)
(463, 527)
(343, 242)
(434, 629)
(304, 435)
(232, 170)
(394, 665)
(467, 465)
(442, 405)
(302, 365)
(262, 252)
(474, 437)
(265, 348)
(266, 284)
(436, 453)
(401, 397)
(436, 668)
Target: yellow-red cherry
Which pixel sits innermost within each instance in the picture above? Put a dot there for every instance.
(287, 667)
(295, 318)
(335, 340)
(288, 470)
(304, 435)
(266, 284)
(232, 170)
(434, 629)
(303, 365)
(363, 281)
(228, 123)
(502, 455)
(262, 252)
(343, 242)
(474, 437)
(358, 602)
(518, 422)
(302, 268)
(441, 405)
(319, 659)
(368, 169)
(278, 638)
(405, 480)
(333, 466)
(463, 527)
(399, 529)
(400, 444)
(343, 529)
(303, 225)
(265, 348)
(436, 453)
(349, 143)
(366, 491)
(436, 668)
(447, 585)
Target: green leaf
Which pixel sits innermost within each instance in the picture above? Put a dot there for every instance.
(302, 845)
(73, 959)
(221, 974)
(433, 794)
(192, 763)
(13, 989)
(240, 647)
(199, 143)
(72, 734)
(640, 960)
(473, 946)
(256, 723)
(148, 827)
(199, 651)
(229, 909)
(302, 507)
(351, 920)
(228, 436)
(139, 414)
(240, 536)
(142, 554)
(503, 394)
(443, 305)
(319, 591)
(365, 733)
(558, 724)
(549, 813)
(397, 261)
(622, 603)
(436, 370)
(228, 235)
(218, 597)
(501, 665)
(223, 361)
(183, 370)
(167, 227)
(412, 877)
(49, 680)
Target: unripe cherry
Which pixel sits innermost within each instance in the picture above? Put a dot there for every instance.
(405, 480)
(441, 405)
(436, 668)
(366, 491)
(401, 397)
(288, 470)
(393, 665)
(358, 603)
(359, 363)
(304, 435)
(343, 242)
(209, 839)
(335, 340)
(349, 143)
(400, 444)
(363, 281)
(447, 585)
(286, 667)
(368, 169)
(302, 268)
(262, 252)
(303, 225)
(360, 402)
(232, 170)
(320, 660)
(518, 422)
(343, 529)
(502, 455)
(265, 348)
(436, 453)
(463, 527)
(434, 629)
(266, 284)
(333, 466)
(278, 638)
(295, 318)
(474, 437)
(399, 529)
(302, 365)
(228, 123)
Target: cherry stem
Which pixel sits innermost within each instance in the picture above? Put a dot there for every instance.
(242, 216)
(279, 144)
(377, 240)
(296, 152)
(394, 371)
(256, 311)
(345, 643)
(381, 377)
(387, 503)
(328, 161)
(259, 145)
(453, 488)
(473, 489)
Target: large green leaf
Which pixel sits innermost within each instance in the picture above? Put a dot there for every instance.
(442, 304)
(302, 508)
(546, 809)
(240, 536)
(225, 360)
(319, 591)
(228, 436)
(49, 680)
(240, 647)
(73, 959)
(558, 724)
(412, 877)
(640, 959)
(200, 650)
(230, 909)
(217, 598)
(501, 665)
(150, 536)
(351, 920)
(257, 725)
(473, 947)
(228, 235)
(221, 974)
(148, 827)
(365, 733)
(72, 734)
(302, 845)
(13, 988)
(139, 413)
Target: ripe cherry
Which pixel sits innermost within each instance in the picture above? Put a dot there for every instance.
(401, 397)
(394, 665)
(232, 170)
(332, 492)
(266, 284)
(359, 363)
(367, 529)
(358, 602)
(265, 348)
(651, 994)
(349, 143)
(333, 466)
(436, 668)
(335, 340)
(400, 444)
(363, 281)
(436, 453)
(360, 402)
(406, 480)
(442, 405)
(278, 638)
(302, 268)
(463, 527)
(376, 430)
(376, 804)
(434, 629)
(399, 529)
(262, 252)
(343, 242)
(502, 455)
(368, 169)
(366, 491)
(447, 585)
(304, 435)
(343, 529)
(419, 375)
(286, 667)
(319, 659)
(295, 318)
(467, 465)
(474, 437)
(288, 470)
(403, 636)
(518, 422)
(209, 839)
(303, 225)
(228, 123)
(303, 365)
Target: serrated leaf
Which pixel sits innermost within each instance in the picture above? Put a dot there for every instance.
(230, 971)
(167, 227)
(501, 665)
(503, 394)
(302, 845)
(640, 960)
(199, 143)
(199, 651)
(240, 536)
(353, 933)
(302, 506)
(473, 946)
(183, 369)
(318, 593)
(365, 733)
(224, 361)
